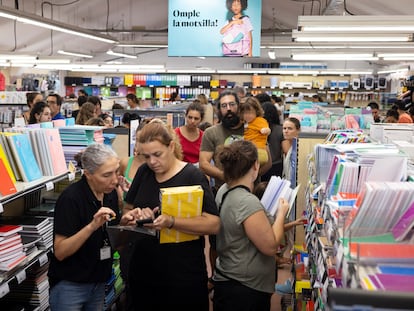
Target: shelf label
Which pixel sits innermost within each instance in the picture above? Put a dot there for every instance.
(4, 289)
(21, 276)
(50, 186)
(43, 259)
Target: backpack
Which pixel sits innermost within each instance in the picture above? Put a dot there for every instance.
(234, 41)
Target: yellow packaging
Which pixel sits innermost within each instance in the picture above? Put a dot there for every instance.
(183, 202)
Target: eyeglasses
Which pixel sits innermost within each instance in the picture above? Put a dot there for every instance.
(231, 105)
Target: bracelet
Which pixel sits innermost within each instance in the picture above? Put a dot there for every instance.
(172, 222)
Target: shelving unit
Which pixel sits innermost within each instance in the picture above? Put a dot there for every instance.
(335, 276)
(17, 204)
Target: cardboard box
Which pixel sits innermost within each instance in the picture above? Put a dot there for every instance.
(182, 202)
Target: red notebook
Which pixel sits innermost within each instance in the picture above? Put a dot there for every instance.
(6, 230)
(6, 185)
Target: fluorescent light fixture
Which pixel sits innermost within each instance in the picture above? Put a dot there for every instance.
(394, 70)
(271, 54)
(17, 57)
(191, 71)
(47, 23)
(110, 52)
(396, 56)
(148, 45)
(334, 56)
(243, 71)
(345, 72)
(359, 23)
(74, 54)
(293, 72)
(301, 36)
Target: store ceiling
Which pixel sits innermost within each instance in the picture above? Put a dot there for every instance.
(145, 22)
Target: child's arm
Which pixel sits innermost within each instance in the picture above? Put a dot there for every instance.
(265, 131)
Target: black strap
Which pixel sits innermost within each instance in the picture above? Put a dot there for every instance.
(221, 203)
(230, 190)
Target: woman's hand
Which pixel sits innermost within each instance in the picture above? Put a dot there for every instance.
(138, 213)
(103, 215)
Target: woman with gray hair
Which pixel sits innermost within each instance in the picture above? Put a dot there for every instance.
(81, 261)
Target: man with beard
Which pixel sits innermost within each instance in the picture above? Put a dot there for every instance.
(229, 129)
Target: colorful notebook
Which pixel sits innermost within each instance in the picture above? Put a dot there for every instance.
(6, 185)
(25, 159)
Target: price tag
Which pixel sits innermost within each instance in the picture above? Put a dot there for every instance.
(71, 176)
(4, 289)
(50, 186)
(43, 259)
(1, 208)
(21, 276)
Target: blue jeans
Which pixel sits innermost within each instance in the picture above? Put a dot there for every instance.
(72, 296)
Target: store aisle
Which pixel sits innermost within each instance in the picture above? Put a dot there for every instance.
(284, 273)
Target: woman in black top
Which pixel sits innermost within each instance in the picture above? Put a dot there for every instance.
(165, 275)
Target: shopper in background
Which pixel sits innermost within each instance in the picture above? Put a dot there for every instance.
(96, 121)
(82, 92)
(391, 116)
(81, 261)
(129, 165)
(86, 112)
(278, 102)
(249, 238)
(97, 102)
(55, 103)
(256, 128)
(31, 99)
(274, 141)
(208, 109)
(108, 121)
(133, 102)
(177, 271)
(375, 111)
(128, 117)
(403, 117)
(240, 91)
(81, 100)
(39, 113)
(189, 134)
(229, 129)
(175, 98)
(291, 130)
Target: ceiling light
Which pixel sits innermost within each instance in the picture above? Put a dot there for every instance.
(293, 72)
(36, 20)
(396, 56)
(271, 54)
(243, 71)
(74, 54)
(17, 57)
(334, 56)
(148, 45)
(394, 70)
(345, 72)
(300, 36)
(188, 71)
(110, 52)
(359, 23)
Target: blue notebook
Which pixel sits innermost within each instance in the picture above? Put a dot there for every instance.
(25, 159)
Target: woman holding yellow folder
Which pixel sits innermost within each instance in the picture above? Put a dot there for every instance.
(165, 275)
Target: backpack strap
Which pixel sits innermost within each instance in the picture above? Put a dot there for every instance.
(230, 190)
